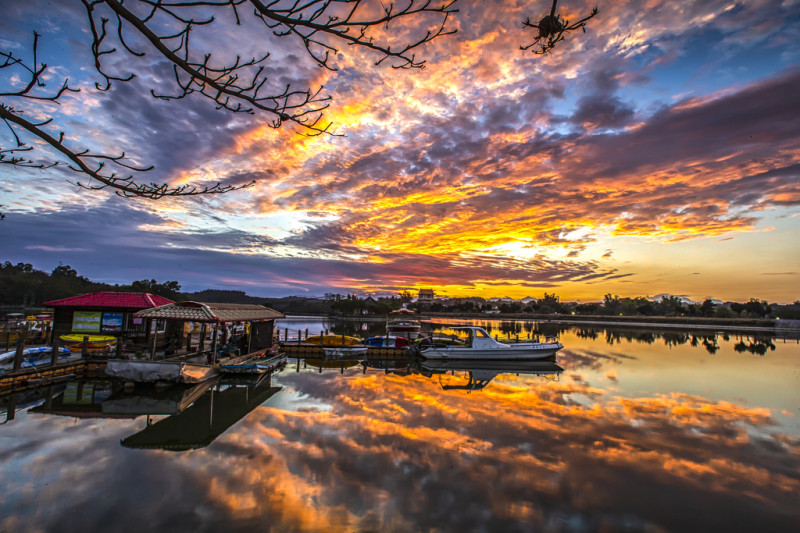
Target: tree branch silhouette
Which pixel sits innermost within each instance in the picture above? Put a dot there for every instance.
(241, 86)
(98, 167)
(163, 28)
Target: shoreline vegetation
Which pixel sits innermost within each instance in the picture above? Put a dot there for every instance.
(24, 289)
(741, 324)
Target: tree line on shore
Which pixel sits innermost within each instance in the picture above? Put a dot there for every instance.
(23, 286)
(666, 306)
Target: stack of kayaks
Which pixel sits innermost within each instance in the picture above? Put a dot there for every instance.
(95, 343)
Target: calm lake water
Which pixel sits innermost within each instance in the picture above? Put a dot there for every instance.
(641, 431)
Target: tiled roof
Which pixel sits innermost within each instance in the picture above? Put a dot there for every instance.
(210, 312)
(112, 300)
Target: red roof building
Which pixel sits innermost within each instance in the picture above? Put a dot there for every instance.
(112, 300)
(106, 313)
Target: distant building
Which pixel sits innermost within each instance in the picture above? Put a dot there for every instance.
(665, 296)
(425, 296)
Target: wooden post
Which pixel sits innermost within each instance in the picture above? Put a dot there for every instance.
(85, 347)
(321, 339)
(48, 403)
(12, 406)
(285, 334)
(18, 355)
(214, 338)
(155, 341)
(120, 347)
(189, 341)
(249, 328)
(54, 353)
(202, 345)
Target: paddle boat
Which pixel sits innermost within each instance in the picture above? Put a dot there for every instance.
(478, 344)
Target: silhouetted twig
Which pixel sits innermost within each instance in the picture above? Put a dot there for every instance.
(551, 29)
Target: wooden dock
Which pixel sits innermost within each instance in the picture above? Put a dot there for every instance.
(38, 376)
(92, 368)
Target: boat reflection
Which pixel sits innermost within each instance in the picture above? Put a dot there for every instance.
(481, 372)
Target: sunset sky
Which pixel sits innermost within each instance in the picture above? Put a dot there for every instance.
(658, 152)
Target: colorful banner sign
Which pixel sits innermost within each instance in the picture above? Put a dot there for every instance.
(112, 322)
(86, 321)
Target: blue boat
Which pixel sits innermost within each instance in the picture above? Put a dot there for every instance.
(388, 341)
(32, 357)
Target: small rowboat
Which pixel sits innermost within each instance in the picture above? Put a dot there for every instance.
(96, 343)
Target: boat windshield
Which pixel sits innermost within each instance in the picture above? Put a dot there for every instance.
(482, 334)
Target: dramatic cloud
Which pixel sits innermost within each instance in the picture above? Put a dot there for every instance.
(663, 124)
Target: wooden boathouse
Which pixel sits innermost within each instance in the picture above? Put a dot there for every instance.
(232, 329)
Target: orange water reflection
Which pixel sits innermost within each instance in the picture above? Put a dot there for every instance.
(634, 435)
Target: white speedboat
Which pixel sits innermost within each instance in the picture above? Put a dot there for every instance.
(480, 345)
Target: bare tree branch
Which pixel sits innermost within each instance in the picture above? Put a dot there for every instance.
(164, 27)
(241, 85)
(313, 19)
(551, 29)
(90, 164)
(123, 185)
